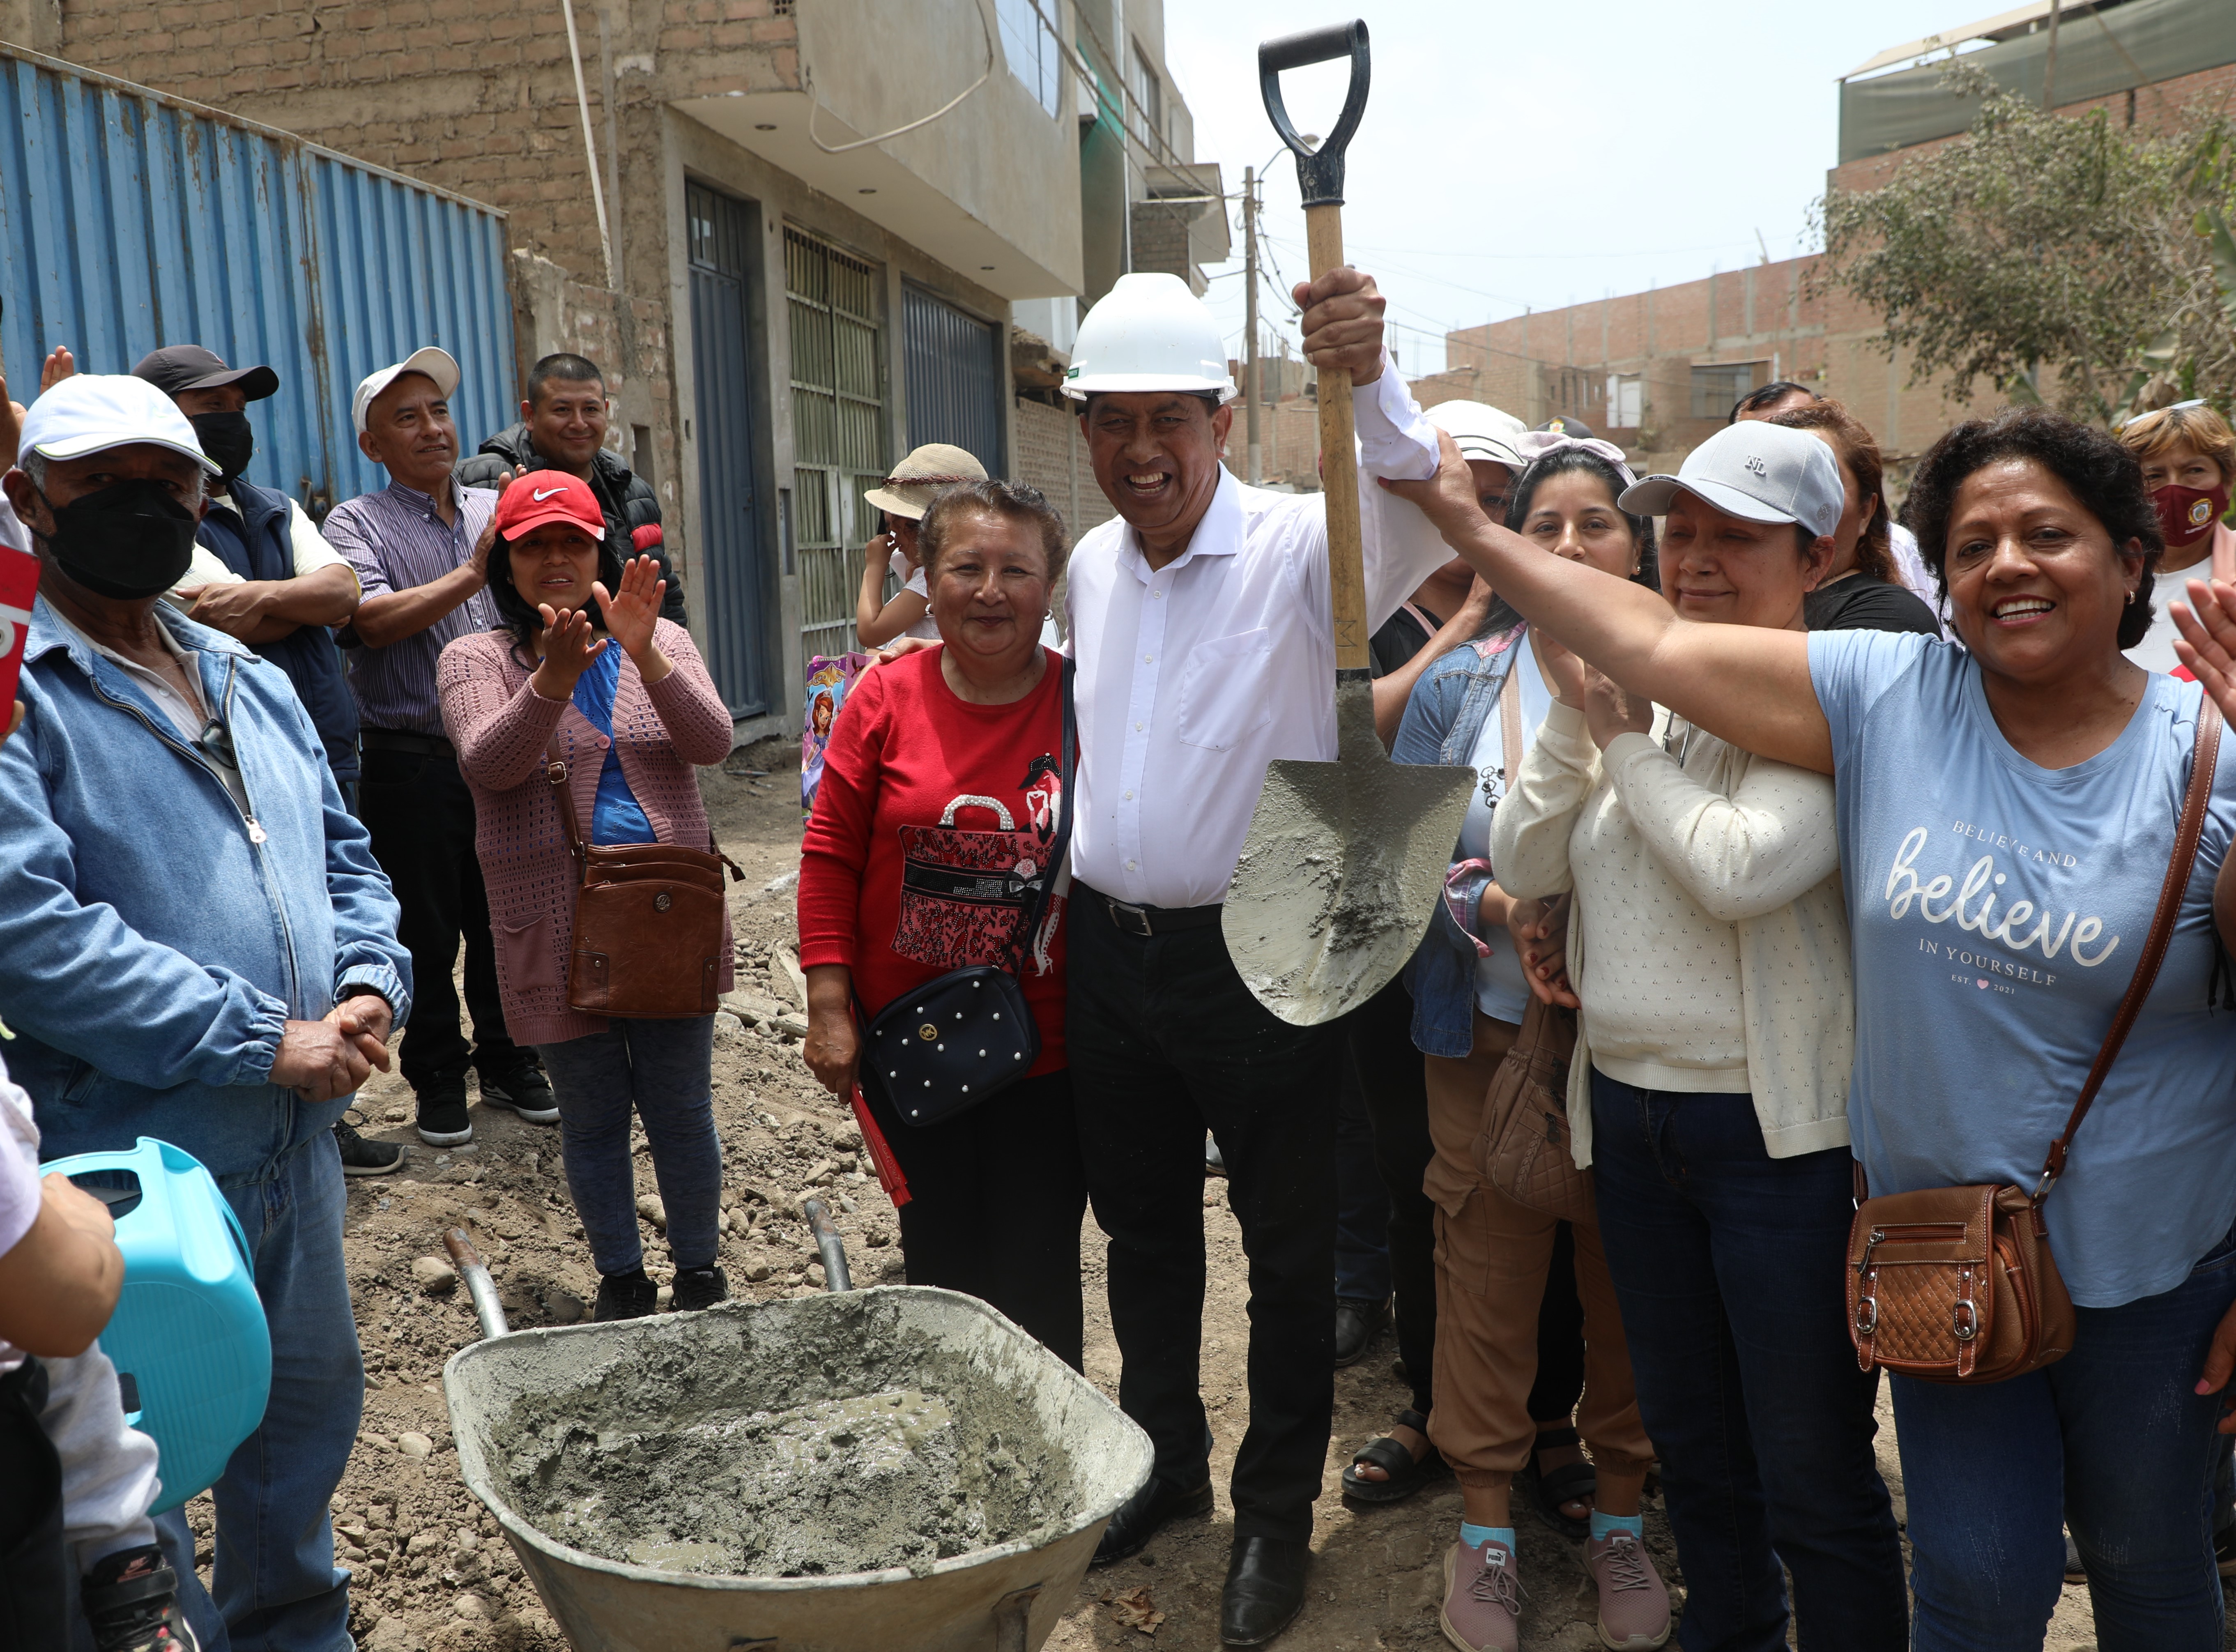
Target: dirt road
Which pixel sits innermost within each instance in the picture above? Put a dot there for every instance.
(432, 1573)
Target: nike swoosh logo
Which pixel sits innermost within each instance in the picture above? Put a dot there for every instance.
(542, 494)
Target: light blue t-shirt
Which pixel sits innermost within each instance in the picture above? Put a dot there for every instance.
(1998, 910)
(617, 818)
(1501, 990)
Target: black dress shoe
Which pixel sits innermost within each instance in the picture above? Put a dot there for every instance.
(1141, 1516)
(1357, 1324)
(1265, 1590)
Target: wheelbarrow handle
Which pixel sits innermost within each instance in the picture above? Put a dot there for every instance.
(479, 1285)
(829, 1242)
(1319, 171)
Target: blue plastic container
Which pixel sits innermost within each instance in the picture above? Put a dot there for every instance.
(192, 1351)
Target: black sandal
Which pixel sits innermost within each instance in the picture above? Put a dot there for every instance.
(1406, 1474)
(1570, 1482)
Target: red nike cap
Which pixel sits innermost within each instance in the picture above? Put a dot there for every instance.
(548, 496)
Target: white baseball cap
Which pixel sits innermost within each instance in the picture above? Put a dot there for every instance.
(1481, 431)
(430, 359)
(1756, 471)
(93, 412)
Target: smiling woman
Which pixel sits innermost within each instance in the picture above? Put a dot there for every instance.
(2038, 732)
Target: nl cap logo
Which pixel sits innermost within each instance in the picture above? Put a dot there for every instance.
(1754, 462)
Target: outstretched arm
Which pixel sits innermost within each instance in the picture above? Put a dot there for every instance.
(1743, 683)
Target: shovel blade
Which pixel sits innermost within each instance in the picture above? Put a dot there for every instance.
(1341, 870)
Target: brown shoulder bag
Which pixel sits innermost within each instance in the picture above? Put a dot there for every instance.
(1957, 1284)
(1526, 1150)
(648, 920)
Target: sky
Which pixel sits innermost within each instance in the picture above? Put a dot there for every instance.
(1517, 157)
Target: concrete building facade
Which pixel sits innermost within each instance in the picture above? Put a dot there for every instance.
(785, 292)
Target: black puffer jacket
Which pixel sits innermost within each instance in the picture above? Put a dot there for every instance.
(632, 509)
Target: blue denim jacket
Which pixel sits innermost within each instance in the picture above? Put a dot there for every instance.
(153, 938)
(1443, 719)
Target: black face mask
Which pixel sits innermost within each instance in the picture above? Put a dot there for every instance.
(227, 439)
(126, 540)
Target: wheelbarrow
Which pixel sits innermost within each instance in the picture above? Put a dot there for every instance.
(677, 1371)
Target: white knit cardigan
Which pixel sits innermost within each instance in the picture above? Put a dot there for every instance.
(1749, 842)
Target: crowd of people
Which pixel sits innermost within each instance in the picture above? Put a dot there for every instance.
(262, 779)
(1799, 843)
(1801, 839)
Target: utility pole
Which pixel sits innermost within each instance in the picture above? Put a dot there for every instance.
(1250, 311)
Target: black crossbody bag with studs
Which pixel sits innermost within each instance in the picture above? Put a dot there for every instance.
(969, 1034)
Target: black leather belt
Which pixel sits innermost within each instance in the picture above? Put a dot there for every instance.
(398, 739)
(1155, 921)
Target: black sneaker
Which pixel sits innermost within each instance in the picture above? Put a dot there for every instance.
(698, 1287)
(442, 1120)
(364, 1158)
(523, 1088)
(624, 1296)
(131, 1600)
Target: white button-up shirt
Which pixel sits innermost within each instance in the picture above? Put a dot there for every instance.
(1194, 677)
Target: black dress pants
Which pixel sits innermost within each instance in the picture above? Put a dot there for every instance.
(1390, 1071)
(1164, 1041)
(420, 816)
(995, 1196)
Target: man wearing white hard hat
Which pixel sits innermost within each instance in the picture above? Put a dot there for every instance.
(196, 945)
(1200, 620)
(420, 547)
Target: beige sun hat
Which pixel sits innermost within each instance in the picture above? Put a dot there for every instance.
(922, 477)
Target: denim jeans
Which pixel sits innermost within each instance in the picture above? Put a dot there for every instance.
(276, 1586)
(1361, 1204)
(2111, 1441)
(663, 1071)
(1728, 1264)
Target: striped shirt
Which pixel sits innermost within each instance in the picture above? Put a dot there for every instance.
(395, 541)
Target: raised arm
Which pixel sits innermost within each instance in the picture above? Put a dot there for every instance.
(1530, 829)
(1742, 683)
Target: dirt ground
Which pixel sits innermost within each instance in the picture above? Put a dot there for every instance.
(433, 1575)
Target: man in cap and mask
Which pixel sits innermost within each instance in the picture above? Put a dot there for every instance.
(261, 572)
(196, 945)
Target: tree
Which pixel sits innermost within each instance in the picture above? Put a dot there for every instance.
(2055, 256)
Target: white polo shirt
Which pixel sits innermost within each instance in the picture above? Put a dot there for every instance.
(1194, 677)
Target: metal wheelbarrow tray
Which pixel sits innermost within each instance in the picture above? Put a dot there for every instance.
(515, 1400)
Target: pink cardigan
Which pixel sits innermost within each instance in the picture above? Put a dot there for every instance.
(500, 725)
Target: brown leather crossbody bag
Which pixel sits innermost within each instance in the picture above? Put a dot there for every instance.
(648, 920)
(1957, 1284)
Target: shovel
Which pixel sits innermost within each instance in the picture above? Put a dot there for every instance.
(1341, 870)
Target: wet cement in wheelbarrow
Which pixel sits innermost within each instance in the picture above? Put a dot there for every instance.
(758, 1456)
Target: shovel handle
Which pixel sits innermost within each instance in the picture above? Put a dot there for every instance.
(1319, 175)
(1319, 170)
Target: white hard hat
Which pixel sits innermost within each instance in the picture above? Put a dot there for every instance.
(1481, 431)
(1149, 332)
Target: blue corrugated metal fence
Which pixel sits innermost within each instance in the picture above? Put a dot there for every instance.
(130, 220)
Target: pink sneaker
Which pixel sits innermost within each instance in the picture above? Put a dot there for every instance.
(1483, 1599)
(1633, 1602)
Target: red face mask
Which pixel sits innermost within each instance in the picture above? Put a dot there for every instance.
(2187, 516)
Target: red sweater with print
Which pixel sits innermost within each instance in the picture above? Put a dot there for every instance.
(933, 819)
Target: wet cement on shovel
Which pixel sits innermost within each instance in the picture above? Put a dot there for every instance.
(762, 1456)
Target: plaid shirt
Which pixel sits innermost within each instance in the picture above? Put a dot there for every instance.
(395, 541)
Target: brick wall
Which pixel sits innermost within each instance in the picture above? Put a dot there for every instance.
(476, 98)
(1051, 456)
(1161, 240)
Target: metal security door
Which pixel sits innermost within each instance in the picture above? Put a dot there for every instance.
(733, 579)
(956, 383)
(837, 431)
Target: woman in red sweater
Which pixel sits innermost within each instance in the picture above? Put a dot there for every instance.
(941, 792)
(585, 658)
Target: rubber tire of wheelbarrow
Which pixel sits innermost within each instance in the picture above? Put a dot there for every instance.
(1569, 1483)
(1386, 1453)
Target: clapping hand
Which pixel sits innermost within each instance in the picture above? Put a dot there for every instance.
(632, 611)
(570, 645)
(2207, 640)
(1609, 711)
(479, 558)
